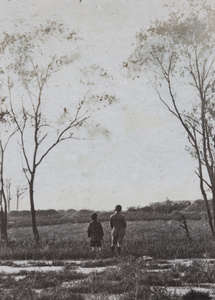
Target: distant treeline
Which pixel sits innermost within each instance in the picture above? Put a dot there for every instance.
(167, 210)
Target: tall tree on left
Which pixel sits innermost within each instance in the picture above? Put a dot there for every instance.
(7, 130)
(43, 107)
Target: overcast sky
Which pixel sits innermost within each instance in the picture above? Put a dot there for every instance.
(143, 159)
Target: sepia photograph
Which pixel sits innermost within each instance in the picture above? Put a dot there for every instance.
(107, 150)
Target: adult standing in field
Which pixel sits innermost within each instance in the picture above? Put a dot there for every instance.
(118, 225)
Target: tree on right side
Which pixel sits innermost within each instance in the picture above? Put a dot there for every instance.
(177, 55)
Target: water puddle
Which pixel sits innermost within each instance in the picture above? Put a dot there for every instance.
(72, 283)
(80, 266)
(48, 266)
(183, 290)
(104, 297)
(87, 271)
(188, 262)
(47, 262)
(16, 270)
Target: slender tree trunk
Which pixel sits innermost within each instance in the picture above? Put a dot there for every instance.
(213, 206)
(210, 219)
(3, 201)
(4, 218)
(8, 187)
(2, 224)
(33, 213)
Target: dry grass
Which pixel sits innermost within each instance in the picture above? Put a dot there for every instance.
(159, 239)
(133, 278)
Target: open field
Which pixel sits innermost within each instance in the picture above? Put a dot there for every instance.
(159, 239)
(63, 266)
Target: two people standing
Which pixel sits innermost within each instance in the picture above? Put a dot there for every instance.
(118, 230)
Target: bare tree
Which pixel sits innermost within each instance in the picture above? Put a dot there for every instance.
(6, 133)
(177, 54)
(8, 192)
(39, 131)
(20, 191)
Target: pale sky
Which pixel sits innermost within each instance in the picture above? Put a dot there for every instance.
(143, 160)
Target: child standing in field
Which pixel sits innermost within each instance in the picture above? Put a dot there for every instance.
(95, 232)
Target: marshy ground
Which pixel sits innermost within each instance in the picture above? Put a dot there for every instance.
(158, 262)
(114, 278)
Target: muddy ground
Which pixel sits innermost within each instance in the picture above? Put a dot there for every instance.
(14, 274)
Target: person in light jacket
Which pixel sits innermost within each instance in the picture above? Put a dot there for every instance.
(118, 225)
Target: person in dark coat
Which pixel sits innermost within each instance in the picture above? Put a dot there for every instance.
(118, 225)
(95, 233)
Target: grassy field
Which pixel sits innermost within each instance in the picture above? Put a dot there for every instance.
(131, 278)
(159, 239)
